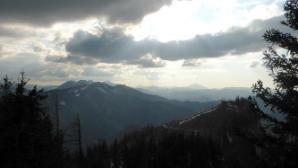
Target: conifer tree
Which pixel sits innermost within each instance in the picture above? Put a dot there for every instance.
(282, 61)
(26, 134)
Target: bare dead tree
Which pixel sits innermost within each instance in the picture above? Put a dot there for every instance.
(57, 115)
(76, 125)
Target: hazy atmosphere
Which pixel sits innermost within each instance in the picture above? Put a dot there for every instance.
(137, 42)
(148, 83)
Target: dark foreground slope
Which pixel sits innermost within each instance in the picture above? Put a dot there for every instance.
(107, 111)
(230, 124)
(212, 139)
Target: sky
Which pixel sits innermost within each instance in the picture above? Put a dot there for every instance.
(162, 43)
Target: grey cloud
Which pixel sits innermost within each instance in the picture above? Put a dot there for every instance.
(6, 32)
(4, 51)
(37, 70)
(113, 46)
(18, 63)
(39, 47)
(254, 64)
(72, 59)
(32, 65)
(54, 58)
(45, 12)
(1, 51)
(110, 45)
(148, 61)
(96, 72)
(191, 63)
(59, 40)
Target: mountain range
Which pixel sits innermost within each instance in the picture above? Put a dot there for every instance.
(198, 93)
(109, 110)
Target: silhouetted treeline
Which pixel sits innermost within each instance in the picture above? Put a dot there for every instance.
(27, 136)
(156, 147)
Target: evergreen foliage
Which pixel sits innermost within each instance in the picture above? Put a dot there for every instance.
(26, 132)
(156, 147)
(282, 61)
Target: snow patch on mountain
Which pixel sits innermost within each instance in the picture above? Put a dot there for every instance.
(101, 90)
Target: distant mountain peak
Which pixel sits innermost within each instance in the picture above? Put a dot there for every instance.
(110, 83)
(85, 82)
(197, 86)
(70, 84)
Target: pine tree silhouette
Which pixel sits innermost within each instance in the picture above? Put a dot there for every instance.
(281, 140)
(26, 133)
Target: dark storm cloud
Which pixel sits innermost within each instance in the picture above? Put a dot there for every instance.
(113, 46)
(110, 46)
(45, 12)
